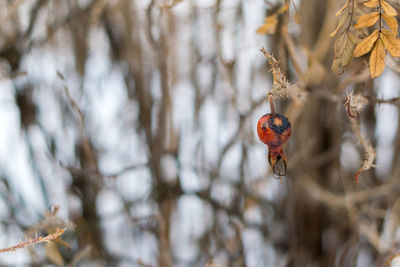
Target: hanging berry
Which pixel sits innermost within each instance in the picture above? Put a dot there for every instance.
(274, 130)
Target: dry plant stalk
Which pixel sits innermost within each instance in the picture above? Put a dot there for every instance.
(31, 242)
(368, 148)
(351, 40)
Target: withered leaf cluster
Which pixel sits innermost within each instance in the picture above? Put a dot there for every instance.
(269, 27)
(378, 42)
(348, 36)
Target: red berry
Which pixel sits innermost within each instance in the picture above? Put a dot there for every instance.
(274, 130)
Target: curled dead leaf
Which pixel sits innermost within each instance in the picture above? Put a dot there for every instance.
(357, 35)
(344, 20)
(282, 9)
(337, 66)
(343, 8)
(343, 50)
(341, 43)
(269, 26)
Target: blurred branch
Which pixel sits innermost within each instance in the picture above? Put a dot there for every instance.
(72, 101)
(235, 136)
(393, 64)
(14, 75)
(80, 255)
(33, 18)
(292, 53)
(126, 169)
(339, 201)
(362, 76)
(371, 235)
(393, 101)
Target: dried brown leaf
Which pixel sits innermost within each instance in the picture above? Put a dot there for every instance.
(337, 66)
(377, 59)
(391, 43)
(269, 26)
(372, 3)
(343, 52)
(343, 8)
(366, 44)
(367, 20)
(284, 8)
(391, 22)
(342, 21)
(341, 43)
(389, 10)
(356, 35)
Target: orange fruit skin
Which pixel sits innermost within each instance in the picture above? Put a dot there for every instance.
(274, 130)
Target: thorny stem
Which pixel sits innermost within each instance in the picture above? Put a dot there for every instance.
(31, 242)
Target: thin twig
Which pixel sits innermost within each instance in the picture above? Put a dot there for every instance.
(393, 101)
(339, 201)
(292, 53)
(71, 100)
(126, 169)
(80, 255)
(362, 76)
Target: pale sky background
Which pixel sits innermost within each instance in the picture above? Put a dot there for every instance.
(107, 110)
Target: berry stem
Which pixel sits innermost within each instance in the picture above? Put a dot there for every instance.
(271, 103)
